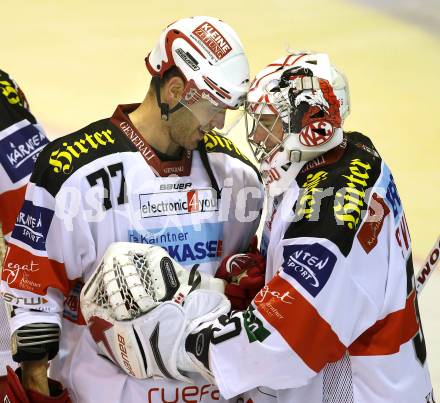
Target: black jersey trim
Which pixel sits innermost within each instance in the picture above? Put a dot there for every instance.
(336, 214)
(214, 142)
(61, 158)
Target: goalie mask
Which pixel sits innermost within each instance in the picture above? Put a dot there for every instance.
(295, 110)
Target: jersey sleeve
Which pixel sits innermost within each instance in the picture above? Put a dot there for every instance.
(335, 291)
(21, 140)
(50, 245)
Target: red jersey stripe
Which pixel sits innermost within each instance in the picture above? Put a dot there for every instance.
(388, 334)
(11, 203)
(24, 271)
(299, 323)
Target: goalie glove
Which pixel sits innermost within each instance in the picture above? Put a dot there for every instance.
(244, 274)
(131, 280)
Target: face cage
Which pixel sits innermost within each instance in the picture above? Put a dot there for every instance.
(261, 150)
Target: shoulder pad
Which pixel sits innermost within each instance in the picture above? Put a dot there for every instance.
(215, 142)
(65, 155)
(13, 104)
(332, 197)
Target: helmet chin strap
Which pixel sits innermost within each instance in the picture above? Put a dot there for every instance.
(164, 107)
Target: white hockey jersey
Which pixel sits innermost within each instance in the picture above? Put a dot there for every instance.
(104, 184)
(337, 320)
(21, 139)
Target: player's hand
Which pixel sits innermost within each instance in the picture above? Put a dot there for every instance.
(15, 392)
(244, 274)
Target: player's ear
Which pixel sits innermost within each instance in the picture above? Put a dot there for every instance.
(173, 91)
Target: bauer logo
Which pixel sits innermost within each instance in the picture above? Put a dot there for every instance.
(310, 265)
(169, 273)
(178, 203)
(213, 40)
(20, 150)
(32, 225)
(188, 59)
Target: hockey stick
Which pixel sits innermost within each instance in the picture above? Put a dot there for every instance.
(428, 267)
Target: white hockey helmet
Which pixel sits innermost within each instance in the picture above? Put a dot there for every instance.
(210, 56)
(310, 98)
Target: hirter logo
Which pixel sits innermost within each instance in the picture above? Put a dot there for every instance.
(213, 39)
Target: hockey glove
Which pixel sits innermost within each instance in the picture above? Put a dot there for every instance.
(128, 309)
(15, 393)
(244, 274)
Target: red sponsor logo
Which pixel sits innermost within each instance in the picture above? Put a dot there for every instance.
(179, 298)
(402, 236)
(25, 271)
(370, 229)
(193, 201)
(213, 40)
(316, 134)
(188, 394)
(124, 355)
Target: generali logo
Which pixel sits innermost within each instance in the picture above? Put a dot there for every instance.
(213, 40)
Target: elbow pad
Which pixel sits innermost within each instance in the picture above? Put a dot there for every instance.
(35, 341)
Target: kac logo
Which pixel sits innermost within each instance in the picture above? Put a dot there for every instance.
(309, 264)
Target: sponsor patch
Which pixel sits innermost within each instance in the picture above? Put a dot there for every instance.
(349, 201)
(32, 225)
(185, 394)
(30, 302)
(63, 158)
(185, 244)
(370, 229)
(393, 197)
(20, 150)
(212, 40)
(254, 326)
(21, 275)
(311, 188)
(178, 203)
(309, 264)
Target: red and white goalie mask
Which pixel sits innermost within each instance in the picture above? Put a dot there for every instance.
(295, 110)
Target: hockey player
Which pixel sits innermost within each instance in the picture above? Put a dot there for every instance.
(338, 319)
(154, 173)
(21, 139)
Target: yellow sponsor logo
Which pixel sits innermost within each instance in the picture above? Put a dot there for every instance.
(63, 158)
(215, 141)
(307, 201)
(350, 199)
(9, 92)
